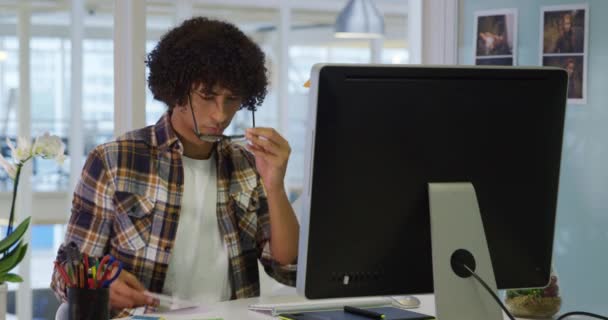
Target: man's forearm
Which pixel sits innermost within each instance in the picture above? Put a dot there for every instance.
(284, 227)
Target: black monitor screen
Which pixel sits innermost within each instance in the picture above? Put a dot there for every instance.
(382, 133)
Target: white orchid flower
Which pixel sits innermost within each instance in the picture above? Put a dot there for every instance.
(60, 157)
(49, 147)
(22, 152)
(46, 146)
(10, 168)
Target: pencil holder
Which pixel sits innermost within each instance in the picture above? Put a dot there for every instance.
(88, 304)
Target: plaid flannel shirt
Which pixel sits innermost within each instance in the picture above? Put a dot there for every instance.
(127, 204)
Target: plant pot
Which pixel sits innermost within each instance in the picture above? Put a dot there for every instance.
(3, 296)
(533, 307)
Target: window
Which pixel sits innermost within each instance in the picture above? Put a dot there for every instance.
(9, 86)
(313, 41)
(98, 92)
(50, 109)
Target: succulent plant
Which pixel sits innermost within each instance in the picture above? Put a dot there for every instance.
(552, 290)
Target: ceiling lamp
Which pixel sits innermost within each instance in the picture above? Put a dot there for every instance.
(360, 19)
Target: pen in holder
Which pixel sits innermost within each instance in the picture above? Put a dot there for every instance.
(87, 280)
(88, 304)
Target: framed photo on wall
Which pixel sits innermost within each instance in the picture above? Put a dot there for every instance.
(563, 44)
(495, 34)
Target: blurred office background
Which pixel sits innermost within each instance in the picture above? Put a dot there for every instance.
(75, 98)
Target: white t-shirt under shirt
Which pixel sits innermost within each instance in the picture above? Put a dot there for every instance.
(198, 266)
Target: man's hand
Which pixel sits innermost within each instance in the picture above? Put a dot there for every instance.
(271, 153)
(128, 292)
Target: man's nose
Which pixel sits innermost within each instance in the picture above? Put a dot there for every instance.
(221, 113)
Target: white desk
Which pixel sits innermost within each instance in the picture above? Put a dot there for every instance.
(237, 309)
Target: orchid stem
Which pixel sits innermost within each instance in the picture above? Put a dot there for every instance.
(9, 230)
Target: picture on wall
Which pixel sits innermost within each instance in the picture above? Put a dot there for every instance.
(573, 64)
(496, 37)
(564, 32)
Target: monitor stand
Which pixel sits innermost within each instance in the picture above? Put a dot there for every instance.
(457, 234)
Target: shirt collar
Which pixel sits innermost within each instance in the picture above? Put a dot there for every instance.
(165, 137)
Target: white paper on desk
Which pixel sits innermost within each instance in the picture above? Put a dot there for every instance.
(317, 305)
(178, 313)
(169, 303)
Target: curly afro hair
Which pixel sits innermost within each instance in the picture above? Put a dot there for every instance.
(208, 52)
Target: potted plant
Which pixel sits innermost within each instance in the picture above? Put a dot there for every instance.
(535, 303)
(12, 248)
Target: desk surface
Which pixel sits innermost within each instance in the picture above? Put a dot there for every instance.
(237, 309)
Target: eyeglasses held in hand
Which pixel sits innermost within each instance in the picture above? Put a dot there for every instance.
(217, 137)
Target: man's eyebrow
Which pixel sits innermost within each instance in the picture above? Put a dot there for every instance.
(212, 92)
(230, 94)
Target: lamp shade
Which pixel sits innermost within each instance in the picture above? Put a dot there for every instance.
(360, 19)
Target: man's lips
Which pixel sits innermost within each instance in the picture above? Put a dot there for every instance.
(211, 130)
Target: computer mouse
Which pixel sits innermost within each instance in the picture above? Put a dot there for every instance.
(407, 301)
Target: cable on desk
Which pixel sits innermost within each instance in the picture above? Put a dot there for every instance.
(483, 283)
(581, 313)
(564, 316)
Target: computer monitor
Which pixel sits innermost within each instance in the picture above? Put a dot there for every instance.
(378, 135)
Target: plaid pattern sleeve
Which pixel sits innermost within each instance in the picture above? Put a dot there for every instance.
(90, 223)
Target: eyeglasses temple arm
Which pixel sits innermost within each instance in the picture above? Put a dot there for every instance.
(193, 117)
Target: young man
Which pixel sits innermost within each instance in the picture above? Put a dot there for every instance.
(189, 213)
